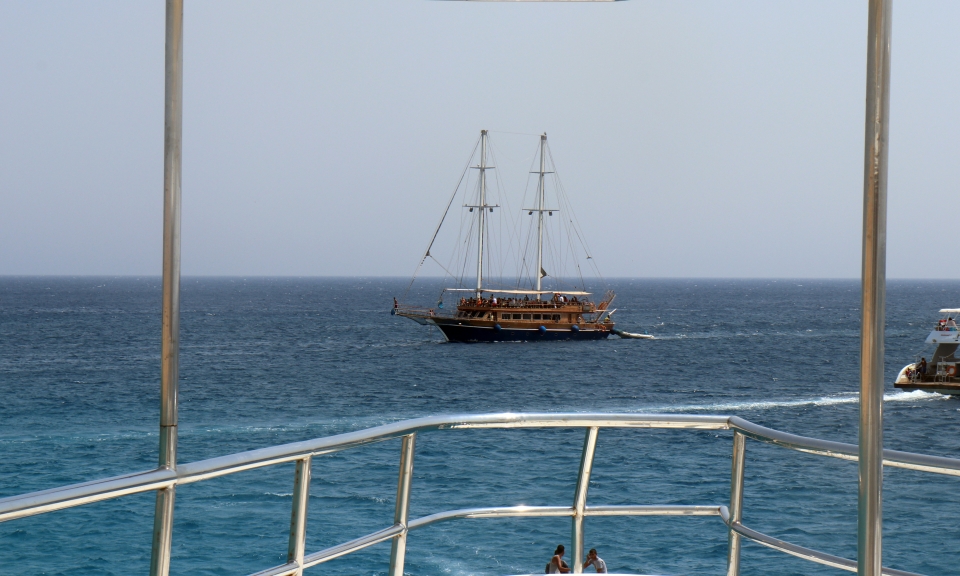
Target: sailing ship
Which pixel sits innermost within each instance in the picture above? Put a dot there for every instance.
(496, 311)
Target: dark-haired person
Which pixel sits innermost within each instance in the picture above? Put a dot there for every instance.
(557, 565)
(596, 561)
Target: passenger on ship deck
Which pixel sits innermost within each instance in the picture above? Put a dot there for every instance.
(951, 325)
(557, 565)
(596, 561)
(922, 368)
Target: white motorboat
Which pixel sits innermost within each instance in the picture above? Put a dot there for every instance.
(936, 371)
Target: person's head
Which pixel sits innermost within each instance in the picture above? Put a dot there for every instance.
(558, 551)
(922, 359)
(592, 553)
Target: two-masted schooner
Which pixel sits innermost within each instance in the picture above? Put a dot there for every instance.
(486, 312)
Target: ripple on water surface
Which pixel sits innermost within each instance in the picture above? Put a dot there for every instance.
(269, 361)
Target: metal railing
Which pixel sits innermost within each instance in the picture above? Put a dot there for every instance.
(302, 453)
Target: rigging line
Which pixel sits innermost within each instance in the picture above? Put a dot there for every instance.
(467, 242)
(508, 156)
(578, 229)
(493, 264)
(565, 203)
(524, 268)
(442, 218)
(463, 248)
(464, 218)
(550, 255)
(509, 245)
(516, 133)
(566, 199)
(568, 226)
(444, 269)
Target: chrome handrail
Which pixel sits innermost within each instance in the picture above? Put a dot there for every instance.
(302, 453)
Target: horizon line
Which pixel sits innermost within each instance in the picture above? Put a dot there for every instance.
(396, 277)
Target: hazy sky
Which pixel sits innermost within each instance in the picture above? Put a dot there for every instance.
(696, 138)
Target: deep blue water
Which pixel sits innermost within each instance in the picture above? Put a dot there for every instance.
(268, 361)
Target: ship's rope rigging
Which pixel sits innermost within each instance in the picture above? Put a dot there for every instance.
(446, 211)
(505, 247)
(574, 221)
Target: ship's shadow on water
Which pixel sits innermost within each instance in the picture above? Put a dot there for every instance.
(269, 361)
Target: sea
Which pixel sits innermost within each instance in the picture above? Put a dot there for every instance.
(266, 361)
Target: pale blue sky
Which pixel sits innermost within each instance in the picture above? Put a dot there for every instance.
(697, 138)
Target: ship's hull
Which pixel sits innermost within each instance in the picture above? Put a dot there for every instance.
(946, 383)
(466, 333)
(949, 388)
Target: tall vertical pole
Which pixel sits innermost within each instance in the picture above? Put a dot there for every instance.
(483, 208)
(170, 315)
(543, 142)
(869, 518)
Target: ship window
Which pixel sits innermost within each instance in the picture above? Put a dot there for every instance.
(536, 316)
(556, 317)
(526, 316)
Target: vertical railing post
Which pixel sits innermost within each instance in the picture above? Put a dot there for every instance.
(170, 312)
(580, 497)
(298, 514)
(873, 278)
(401, 514)
(736, 502)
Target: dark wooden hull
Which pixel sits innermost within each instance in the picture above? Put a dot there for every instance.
(461, 332)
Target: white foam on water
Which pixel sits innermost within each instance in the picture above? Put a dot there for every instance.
(833, 400)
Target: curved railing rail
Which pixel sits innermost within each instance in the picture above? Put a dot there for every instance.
(302, 453)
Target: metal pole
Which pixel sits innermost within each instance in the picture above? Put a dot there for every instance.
(869, 518)
(170, 315)
(580, 497)
(543, 142)
(483, 208)
(298, 514)
(399, 550)
(736, 502)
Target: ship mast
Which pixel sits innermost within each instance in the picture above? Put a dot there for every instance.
(483, 207)
(543, 141)
(541, 194)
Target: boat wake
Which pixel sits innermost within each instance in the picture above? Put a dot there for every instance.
(843, 398)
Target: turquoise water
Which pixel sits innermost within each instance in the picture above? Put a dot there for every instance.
(268, 361)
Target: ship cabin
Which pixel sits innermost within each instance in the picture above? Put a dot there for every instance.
(532, 306)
